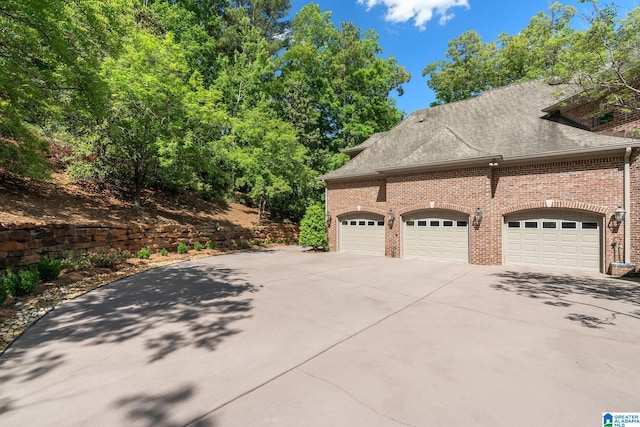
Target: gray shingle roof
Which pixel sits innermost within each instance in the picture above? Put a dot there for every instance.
(507, 122)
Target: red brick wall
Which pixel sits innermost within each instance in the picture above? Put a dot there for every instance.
(584, 114)
(594, 186)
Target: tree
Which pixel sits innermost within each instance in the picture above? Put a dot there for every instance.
(49, 62)
(339, 78)
(313, 231)
(161, 122)
(270, 163)
(604, 60)
(473, 66)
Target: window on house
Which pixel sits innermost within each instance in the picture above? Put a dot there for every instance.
(422, 223)
(549, 224)
(410, 223)
(514, 224)
(371, 223)
(589, 225)
(530, 224)
(462, 223)
(434, 223)
(447, 223)
(603, 119)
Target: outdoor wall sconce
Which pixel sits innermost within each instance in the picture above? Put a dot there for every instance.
(619, 214)
(477, 215)
(391, 217)
(493, 163)
(328, 220)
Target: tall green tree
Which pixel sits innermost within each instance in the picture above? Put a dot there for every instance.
(50, 56)
(338, 76)
(270, 163)
(604, 60)
(472, 66)
(162, 124)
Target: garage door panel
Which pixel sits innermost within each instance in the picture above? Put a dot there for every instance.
(362, 233)
(553, 239)
(436, 236)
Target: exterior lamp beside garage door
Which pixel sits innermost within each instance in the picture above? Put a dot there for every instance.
(391, 217)
(618, 214)
(477, 215)
(328, 220)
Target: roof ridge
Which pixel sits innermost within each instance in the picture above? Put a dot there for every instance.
(464, 141)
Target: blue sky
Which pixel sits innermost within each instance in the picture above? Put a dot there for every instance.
(416, 32)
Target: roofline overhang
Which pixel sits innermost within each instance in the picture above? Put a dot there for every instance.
(446, 164)
(356, 177)
(571, 154)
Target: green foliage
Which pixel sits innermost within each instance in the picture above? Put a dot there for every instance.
(197, 246)
(29, 278)
(211, 244)
(4, 293)
(75, 262)
(473, 66)
(108, 259)
(267, 241)
(10, 282)
(336, 85)
(144, 253)
(312, 228)
(164, 252)
(183, 248)
(604, 60)
(49, 61)
(85, 261)
(49, 268)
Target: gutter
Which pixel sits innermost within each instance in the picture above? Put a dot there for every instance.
(627, 206)
(475, 161)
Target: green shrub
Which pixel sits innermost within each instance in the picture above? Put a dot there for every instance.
(49, 268)
(182, 248)
(3, 291)
(28, 281)
(267, 241)
(144, 253)
(75, 262)
(197, 246)
(211, 244)
(312, 228)
(108, 259)
(10, 282)
(164, 252)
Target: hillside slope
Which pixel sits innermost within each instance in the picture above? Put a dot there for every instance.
(62, 200)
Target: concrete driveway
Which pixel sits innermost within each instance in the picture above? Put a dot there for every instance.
(289, 338)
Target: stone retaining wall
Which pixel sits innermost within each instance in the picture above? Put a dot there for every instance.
(24, 244)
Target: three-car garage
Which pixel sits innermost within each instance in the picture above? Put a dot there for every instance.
(551, 238)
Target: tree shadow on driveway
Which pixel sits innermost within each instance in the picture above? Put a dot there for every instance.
(614, 296)
(170, 308)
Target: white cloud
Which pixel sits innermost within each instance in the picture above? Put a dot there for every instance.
(421, 11)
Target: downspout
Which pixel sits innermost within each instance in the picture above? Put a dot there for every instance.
(627, 206)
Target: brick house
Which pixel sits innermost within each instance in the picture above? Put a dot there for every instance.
(510, 177)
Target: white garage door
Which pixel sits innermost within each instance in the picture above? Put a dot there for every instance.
(362, 233)
(439, 236)
(553, 239)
